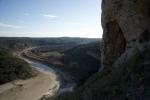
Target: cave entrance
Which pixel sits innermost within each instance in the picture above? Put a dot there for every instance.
(116, 41)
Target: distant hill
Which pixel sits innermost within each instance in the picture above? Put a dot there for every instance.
(83, 60)
(21, 42)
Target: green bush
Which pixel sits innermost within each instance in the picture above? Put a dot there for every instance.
(12, 68)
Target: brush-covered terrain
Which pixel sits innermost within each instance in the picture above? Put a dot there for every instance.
(128, 82)
(79, 61)
(12, 68)
(61, 52)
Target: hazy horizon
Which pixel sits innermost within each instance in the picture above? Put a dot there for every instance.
(48, 37)
(50, 18)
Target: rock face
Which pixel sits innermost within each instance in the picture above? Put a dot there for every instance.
(126, 30)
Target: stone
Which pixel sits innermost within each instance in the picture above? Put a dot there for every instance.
(126, 25)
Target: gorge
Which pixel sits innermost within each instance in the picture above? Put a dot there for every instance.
(116, 67)
(125, 54)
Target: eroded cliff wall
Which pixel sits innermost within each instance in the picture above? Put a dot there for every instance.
(126, 30)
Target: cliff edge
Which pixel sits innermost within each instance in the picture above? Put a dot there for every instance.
(126, 30)
(125, 71)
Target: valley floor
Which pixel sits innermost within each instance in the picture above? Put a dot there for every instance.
(45, 83)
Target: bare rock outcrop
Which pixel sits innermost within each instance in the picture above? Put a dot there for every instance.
(126, 30)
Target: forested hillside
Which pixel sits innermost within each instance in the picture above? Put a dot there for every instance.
(12, 68)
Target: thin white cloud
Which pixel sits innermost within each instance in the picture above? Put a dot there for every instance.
(50, 16)
(4, 25)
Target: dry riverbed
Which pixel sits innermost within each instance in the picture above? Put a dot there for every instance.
(45, 83)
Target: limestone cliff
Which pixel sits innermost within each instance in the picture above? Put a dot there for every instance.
(125, 54)
(126, 30)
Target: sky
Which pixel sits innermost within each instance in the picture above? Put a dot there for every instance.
(50, 18)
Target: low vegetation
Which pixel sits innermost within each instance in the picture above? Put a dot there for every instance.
(82, 61)
(79, 61)
(129, 82)
(12, 68)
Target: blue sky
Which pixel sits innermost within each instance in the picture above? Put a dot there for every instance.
(50, 18)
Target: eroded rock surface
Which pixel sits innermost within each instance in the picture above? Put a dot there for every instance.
(126, 26)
